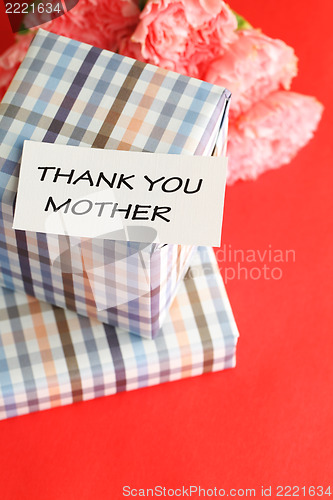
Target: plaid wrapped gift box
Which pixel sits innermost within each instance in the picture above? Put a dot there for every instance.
(68, 92)
(50, 356)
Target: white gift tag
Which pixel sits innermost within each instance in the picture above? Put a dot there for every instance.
(120, 195)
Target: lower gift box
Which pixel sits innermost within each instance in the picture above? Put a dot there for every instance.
(51, 357)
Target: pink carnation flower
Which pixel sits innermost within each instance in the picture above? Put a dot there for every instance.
(271, 133)
(252, 67)
(181, 34)
(11, 59)
(103, 23)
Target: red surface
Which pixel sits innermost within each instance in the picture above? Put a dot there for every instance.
(269, 421)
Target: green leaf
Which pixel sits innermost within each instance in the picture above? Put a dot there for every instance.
(23, 30)
(243, 24)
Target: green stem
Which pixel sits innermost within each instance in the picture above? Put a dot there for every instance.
(142, 3)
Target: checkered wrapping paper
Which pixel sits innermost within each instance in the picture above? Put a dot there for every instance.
(51, 357)
(67, 92)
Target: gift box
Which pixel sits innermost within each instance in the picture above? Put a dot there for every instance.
(68, 92)
(51, 356)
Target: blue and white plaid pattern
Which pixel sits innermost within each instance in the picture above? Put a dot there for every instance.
(68, 92)
(51, 357)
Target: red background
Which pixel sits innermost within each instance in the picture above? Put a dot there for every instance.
(270, 420)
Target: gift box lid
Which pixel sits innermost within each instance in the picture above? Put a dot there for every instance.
(69, 92)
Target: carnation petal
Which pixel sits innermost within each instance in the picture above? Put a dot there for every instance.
(251, 68)
(182, 34)
(271, 133)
